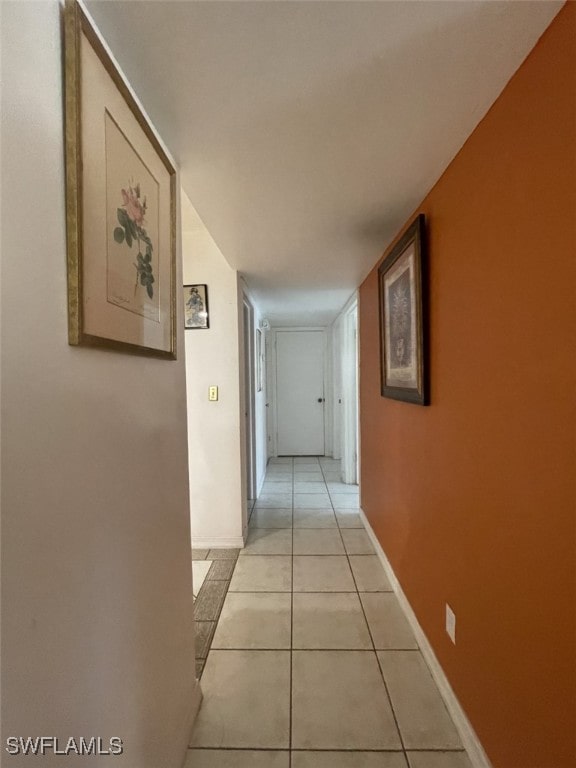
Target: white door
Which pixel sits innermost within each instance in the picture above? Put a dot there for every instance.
(300, 392)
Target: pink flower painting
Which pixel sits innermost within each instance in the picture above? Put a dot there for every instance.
(131, 218)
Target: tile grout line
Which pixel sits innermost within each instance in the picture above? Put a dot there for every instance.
(317, 554)
(329, 749)
(373, 643)
(337, 523)
(374, 651)
(219, 612)
(323, 650)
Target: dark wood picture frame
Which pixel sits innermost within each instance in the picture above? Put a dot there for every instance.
(403, 300)
(196, 311)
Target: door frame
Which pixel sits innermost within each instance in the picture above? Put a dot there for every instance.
(249, 404)
(272, 426)
(350, 429)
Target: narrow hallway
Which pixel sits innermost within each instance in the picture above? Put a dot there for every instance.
(312, 663)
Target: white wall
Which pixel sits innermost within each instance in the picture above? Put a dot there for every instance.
(97, 631)
(261, 398)
(217, 503)
(329, 406)
(261, 414)
(344, 366)
(337, 342)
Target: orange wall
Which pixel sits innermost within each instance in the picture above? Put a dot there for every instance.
(473, 498)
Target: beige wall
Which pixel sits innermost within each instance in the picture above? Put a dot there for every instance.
(213, 357)
(97, 632)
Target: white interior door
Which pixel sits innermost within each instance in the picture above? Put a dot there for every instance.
(300, 393)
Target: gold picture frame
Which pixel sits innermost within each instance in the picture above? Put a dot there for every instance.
(403, 300)
(120, 207)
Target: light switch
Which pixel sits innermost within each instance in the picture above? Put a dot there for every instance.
(213, 393)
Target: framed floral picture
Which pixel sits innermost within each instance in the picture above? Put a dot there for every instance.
(403, 321)
(121, 207)
(196, 307)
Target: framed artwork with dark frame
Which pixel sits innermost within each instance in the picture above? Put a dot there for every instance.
(403, 322)
(120, 206)
(196, 306)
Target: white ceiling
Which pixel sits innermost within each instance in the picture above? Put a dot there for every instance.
(307, 132)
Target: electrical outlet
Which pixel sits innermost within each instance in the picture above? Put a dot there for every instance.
(451, 623)
(213, 393)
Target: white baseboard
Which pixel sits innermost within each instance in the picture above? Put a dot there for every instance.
(234, 542)
(470, 741)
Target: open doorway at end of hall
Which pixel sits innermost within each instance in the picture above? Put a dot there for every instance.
(313, 389)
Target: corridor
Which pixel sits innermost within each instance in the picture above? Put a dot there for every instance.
(312, 663)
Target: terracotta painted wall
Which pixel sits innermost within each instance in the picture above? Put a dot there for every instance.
(473, 498)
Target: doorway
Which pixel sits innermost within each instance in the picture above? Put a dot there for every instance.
(300, 392)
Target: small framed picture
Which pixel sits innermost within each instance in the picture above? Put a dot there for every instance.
(403, 322)
(196, 307)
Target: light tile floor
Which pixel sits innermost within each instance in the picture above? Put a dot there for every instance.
(200, 570)
(313, 664)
